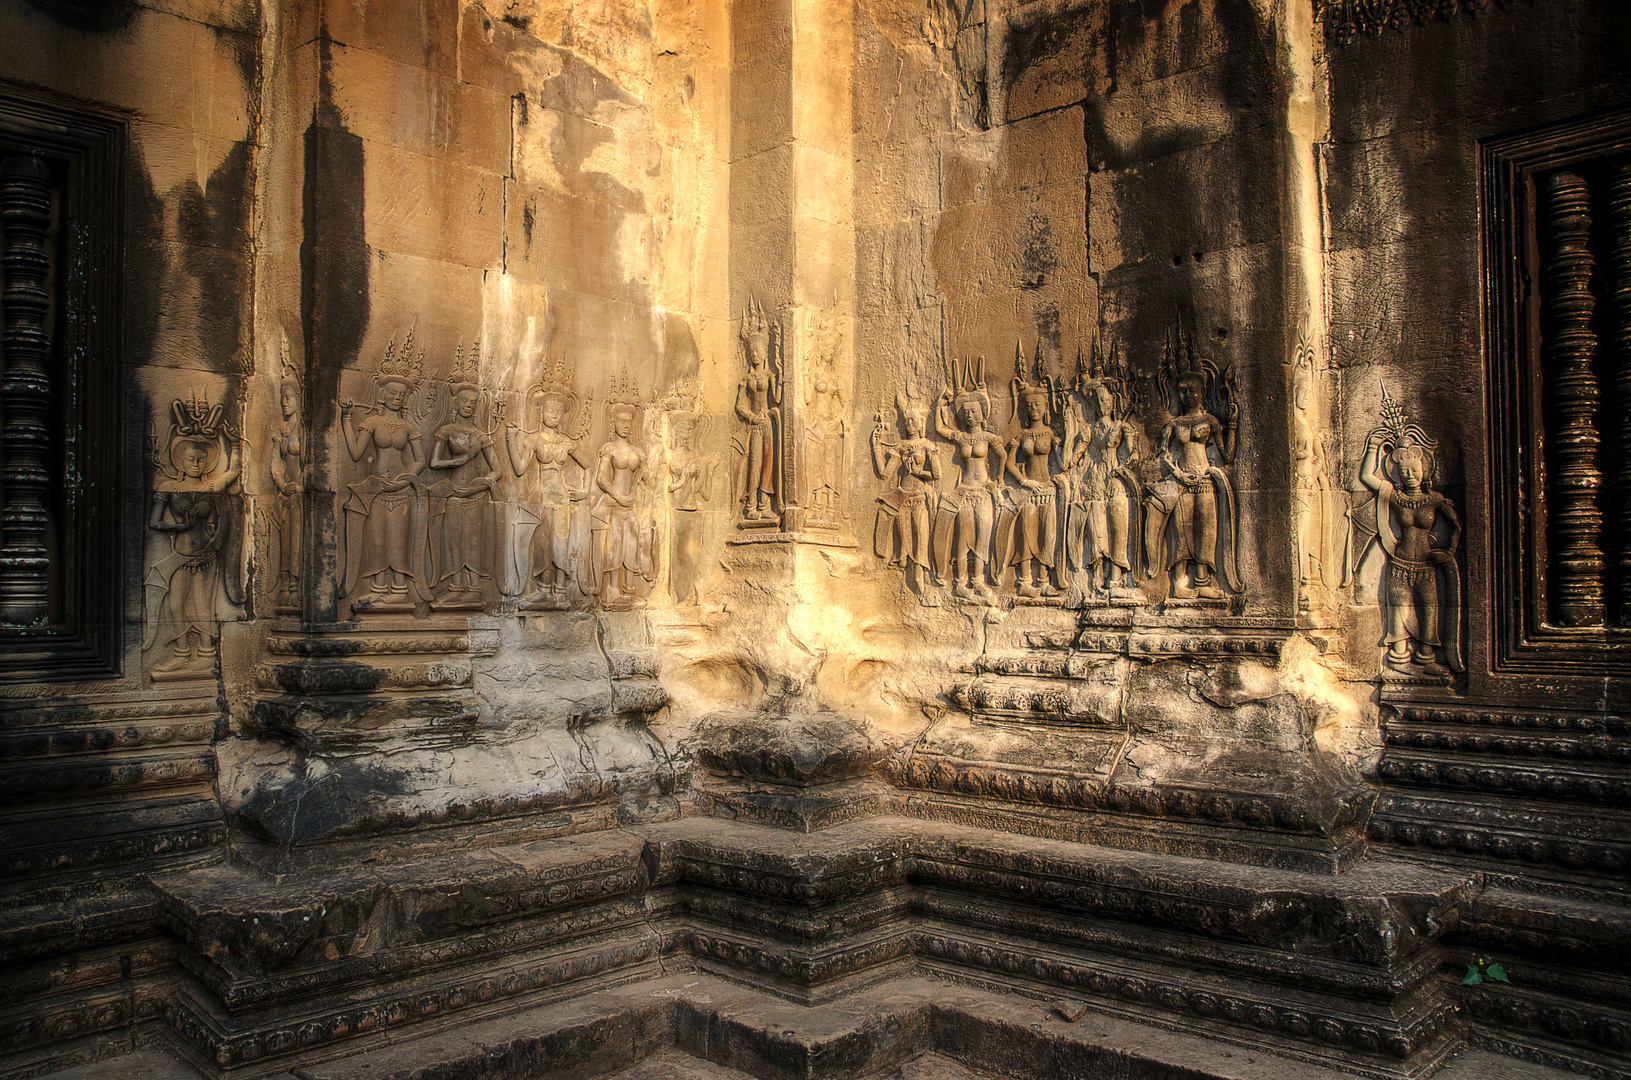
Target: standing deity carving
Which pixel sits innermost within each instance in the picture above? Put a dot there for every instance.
(758, 405)
(463, 453)
(690, 484)
(1418, 532)
(963, 531)
(1103, 452)
(903, 536)
(193, 559)
(825, 430)
(549, 543)
(385, 533)
(1191, 522)
(287, 466)
(624, 532)
(1320, 539)
(1028, 536)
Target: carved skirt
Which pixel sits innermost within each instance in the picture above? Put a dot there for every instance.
(1411, 602)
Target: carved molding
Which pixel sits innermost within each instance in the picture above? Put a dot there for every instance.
(169, 843)
(1493, 831)
(1347, 20)
(1397, 1038)
(350, 645)
(227, 1047)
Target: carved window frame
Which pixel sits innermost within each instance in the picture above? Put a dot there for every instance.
(86, 153)
(1525, 641)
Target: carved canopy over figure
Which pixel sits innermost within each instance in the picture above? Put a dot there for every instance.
(902, 536)
(385, 515)
(1028, 536)
(1103, 451)
(1191, 524)
(287, 467)
(758, 405)
(625, 534)
(549, 542)
(1419, 532)
(463, 453)
(196, 550)
(963, 530)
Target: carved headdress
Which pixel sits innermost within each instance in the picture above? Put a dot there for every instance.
(1402, 434)
(288, 372)
(466, 374)
(908, 405)
(623, 395)
(1104, 368)
(1181, 364)
(756, 330)
(968, 385)
(1031, 385)
(405, 366)
(194, 422)
(560, 386)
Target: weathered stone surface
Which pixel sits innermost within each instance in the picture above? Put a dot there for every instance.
(909, 508)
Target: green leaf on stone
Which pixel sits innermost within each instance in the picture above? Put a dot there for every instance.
(1472, 978)
(1496, 972)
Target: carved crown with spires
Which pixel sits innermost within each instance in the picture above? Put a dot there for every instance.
(466, 373)
(405, 366)
(624, 393)
(1032, 383)
(756, 329)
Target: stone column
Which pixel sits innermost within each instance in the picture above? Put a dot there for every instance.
(792, 232)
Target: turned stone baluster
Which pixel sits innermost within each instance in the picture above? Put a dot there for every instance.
(1573, 481)
(25, 392)
(1619, 260)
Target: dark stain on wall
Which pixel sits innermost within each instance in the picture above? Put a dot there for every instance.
(144, 289)
(215, 228)
(91, 16)
(334, 265)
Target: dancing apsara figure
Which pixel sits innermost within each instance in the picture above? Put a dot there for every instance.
(1418, 531)
(903, 535)
(195, 556)
(549, 546)
(1191, 522)
(385, 516)
(463, 453)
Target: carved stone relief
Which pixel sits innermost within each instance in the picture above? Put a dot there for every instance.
(464, 455)
(825, 430)
(287, 468)
(1418, 532)
(549, 541)
(385, 528)
(1102, 454)
(1028, 533)
(690, 485)
(195, 544)
(623, 523)
(903, 536)
(966, 520)
(758, 406)
(1191, 521)
(1319, 529)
